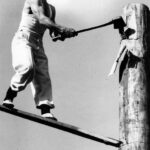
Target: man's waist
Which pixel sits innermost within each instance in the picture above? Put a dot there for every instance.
(30, 32)
(29, 36)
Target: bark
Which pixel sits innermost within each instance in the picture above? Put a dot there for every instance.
(134, 107)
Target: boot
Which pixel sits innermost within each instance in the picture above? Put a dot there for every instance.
(8, 100)
(45, 112)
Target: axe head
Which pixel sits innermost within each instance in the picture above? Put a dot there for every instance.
(119, 23)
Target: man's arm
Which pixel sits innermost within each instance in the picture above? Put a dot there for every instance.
(39, 7)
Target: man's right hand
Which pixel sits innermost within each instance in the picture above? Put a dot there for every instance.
(68, 33)
(64, 33)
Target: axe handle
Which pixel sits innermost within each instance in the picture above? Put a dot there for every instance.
(87, 29)
(92, 28)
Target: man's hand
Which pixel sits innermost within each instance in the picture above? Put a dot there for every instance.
(63, 33)
(68, 33)
(55, 35)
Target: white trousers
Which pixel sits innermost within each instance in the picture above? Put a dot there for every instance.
(31, 66)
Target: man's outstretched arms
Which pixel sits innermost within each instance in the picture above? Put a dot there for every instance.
(41, 10)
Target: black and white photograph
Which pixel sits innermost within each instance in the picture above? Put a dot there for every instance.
(75, 75)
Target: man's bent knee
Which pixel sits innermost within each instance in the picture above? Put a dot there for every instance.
(24, 75)
(24, 69)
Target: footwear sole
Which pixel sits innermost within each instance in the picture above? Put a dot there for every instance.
(51, 118)
(10, 106)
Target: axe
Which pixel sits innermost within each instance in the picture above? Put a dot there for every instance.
(118, 23)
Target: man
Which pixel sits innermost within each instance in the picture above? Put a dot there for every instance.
(29, 60)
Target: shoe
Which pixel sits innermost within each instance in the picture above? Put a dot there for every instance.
(49, 116)
(41, 105)
(8, 103)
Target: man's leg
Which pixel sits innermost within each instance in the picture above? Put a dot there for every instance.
(41, 85)
(23, 66)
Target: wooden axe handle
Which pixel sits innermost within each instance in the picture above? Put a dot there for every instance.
(87, 29)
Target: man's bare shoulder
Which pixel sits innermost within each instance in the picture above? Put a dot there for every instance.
(29, 4)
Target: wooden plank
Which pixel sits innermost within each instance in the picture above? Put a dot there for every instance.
(61, 126)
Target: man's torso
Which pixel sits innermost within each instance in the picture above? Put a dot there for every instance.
(30, 22)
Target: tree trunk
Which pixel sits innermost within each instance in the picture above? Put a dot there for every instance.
(134, 79)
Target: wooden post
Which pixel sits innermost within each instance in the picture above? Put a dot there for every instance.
(134, 79)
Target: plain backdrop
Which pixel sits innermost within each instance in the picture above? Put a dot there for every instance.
(83, 93)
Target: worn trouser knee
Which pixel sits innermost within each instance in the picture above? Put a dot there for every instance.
(24, 75)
